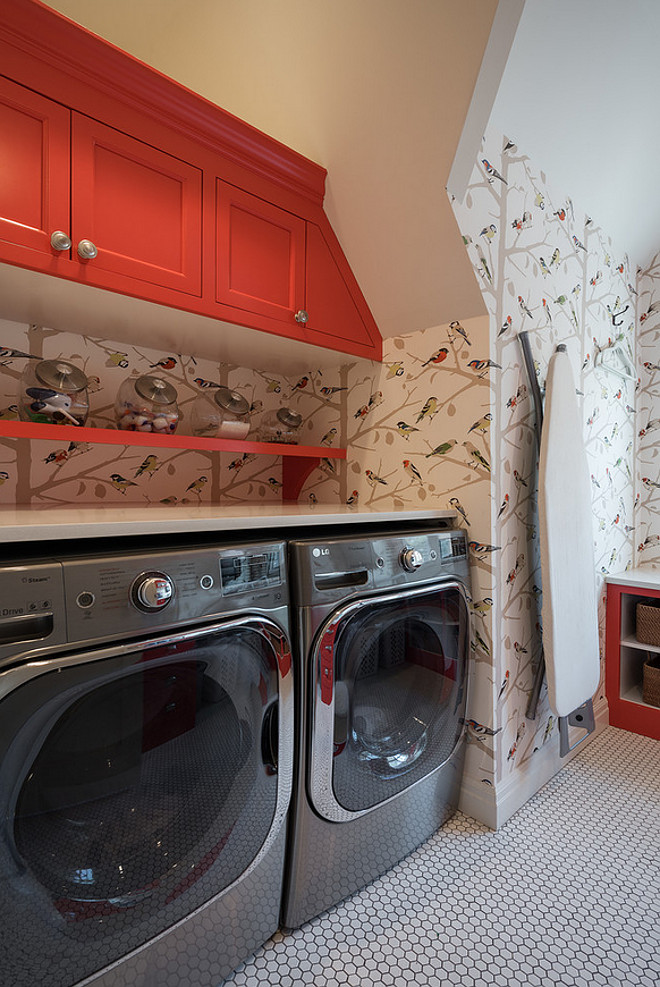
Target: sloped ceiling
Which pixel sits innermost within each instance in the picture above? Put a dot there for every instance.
(579, 95)
(376, 91)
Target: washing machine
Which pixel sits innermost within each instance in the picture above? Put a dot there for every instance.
(382, 637)
(146, 712)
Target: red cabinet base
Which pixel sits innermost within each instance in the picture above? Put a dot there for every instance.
(625, 657)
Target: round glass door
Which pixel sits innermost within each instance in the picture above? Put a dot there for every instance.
(399, 693)
(139, 786)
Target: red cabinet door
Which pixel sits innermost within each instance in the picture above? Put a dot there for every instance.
(140, 207)
(260, 255)
(338, 314)
(34, 177)
(339, 317)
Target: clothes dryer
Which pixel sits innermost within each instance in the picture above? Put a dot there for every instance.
(146, 712)
(383, 643)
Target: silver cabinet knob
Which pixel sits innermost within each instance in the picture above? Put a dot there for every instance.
(301, 316)
(87, 250)
(411, 559)
(60, 241)
(152, 591)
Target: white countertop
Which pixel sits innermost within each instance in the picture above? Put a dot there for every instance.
(642, 577)
(28, 524)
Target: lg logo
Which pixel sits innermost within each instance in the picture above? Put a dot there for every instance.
(317, 552)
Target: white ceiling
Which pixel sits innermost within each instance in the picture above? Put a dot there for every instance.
(579, 95)
(376, 91)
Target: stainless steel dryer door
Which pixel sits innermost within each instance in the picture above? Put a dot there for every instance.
(137, 782)
(389, 679)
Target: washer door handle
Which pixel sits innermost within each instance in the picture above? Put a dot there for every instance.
(270, 735)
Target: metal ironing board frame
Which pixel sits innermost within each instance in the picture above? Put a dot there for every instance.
(583, 716)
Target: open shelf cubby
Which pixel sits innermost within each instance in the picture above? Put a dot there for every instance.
(298, 461)
(625, 661)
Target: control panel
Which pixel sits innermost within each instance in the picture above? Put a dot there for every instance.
(80, 599)
(146, 591)
(31, 607)
(342, 567)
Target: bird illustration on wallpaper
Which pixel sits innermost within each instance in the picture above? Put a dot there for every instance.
(482, 424)
(442, 449)
(477, 458)
(373, 479)
(412, 471)
(165, 363)
(197, 485)
(455, 504)
(406, 430)
(120, 482)
(436, 358)
(150, 465)
(429, 410)
(456, 329)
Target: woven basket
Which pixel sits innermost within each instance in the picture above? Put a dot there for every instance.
(648, 624)
(651, 682)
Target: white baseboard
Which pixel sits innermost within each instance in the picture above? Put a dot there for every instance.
(494, 805)
(477, 800)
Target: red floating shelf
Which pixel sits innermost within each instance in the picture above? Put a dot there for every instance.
(298, 460)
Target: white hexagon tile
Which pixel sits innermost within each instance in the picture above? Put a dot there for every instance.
(566, 893)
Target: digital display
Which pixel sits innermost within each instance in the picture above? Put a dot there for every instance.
(240, 573)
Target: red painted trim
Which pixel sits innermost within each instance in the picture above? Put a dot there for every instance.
(64, 45)
(612, 639)
(294, 474)
(108, 436)
(635, 717)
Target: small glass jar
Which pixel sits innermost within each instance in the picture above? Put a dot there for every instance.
(53, 392)
(220, 413)
(280, 426)
(147, 404)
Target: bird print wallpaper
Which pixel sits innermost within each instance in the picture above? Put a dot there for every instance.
(418, 435)
(546, 268)
(647, 531)
(49, 473)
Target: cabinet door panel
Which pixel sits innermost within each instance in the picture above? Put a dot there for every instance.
(260, 260)
(338, 315)
(34, 169)
(142, 208)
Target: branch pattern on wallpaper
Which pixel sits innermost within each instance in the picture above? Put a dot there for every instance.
(647, 532)
(57, 473)
(418, 435)
(546, 268)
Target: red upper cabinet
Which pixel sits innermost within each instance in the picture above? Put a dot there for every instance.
(34, 177)
(260, 255)
(338, 314)
(139, 207)
(165, 198)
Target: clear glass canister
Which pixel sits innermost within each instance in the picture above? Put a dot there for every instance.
(147, 404)
(54, 392)
(220, 413)
(280, 426)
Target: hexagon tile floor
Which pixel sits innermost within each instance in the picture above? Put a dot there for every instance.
(567, 893)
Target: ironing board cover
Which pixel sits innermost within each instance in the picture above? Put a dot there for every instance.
(569, 611)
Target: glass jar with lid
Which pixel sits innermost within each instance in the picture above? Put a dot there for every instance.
(53, 392)
(147, 404)
(280, 426)
(220, 413)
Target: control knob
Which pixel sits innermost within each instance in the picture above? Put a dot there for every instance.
(152, 591)
(411, 559)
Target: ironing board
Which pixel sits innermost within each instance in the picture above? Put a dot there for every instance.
(569, 610)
